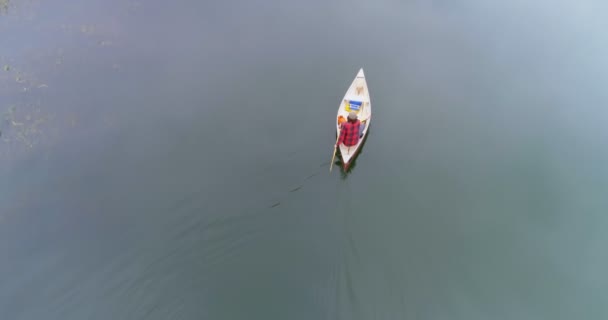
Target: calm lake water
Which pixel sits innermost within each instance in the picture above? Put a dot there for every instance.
(169, 160)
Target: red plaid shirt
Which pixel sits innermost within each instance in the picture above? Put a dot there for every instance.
(349, 135)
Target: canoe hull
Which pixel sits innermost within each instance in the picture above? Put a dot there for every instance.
(355, 99)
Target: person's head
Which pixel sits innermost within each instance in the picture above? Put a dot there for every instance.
(352, 116)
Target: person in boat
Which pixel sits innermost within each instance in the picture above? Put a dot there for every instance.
(351, 131)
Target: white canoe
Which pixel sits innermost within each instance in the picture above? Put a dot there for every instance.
(356, 99)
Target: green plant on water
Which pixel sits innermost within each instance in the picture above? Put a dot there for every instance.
(4, 4)
(26, 130)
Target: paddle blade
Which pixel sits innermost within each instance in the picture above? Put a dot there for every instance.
(332, 159)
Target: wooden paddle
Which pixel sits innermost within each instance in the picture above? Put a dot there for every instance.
(334, 155)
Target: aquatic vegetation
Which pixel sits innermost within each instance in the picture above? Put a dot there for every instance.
(30, 116)
(4, 5)
(22, 129)
(23, 121)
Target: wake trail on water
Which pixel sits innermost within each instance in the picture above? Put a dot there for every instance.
(303, 182)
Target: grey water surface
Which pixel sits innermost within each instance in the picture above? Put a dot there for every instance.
(169, 160)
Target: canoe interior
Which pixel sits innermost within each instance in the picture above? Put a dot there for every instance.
(357, 94)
